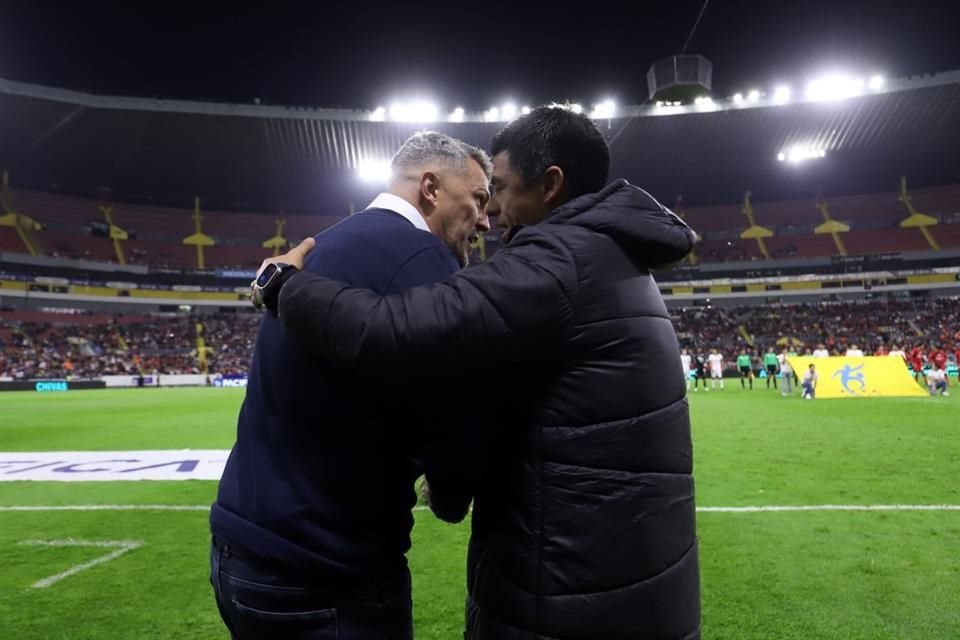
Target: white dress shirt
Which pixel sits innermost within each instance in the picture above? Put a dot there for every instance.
(399, 205)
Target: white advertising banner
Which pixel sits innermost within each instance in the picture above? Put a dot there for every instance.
(161, 380)
(79, 466)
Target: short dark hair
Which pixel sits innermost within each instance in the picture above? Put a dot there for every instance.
(556, 135)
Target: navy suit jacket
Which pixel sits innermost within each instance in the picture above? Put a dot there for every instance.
(321, 475)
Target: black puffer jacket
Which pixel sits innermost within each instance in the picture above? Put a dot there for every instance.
(587, 530)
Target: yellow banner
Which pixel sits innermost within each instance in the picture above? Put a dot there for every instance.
(865, 377)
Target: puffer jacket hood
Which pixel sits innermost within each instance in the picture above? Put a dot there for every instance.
(634, 219)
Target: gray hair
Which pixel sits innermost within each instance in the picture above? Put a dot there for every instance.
(431, 149)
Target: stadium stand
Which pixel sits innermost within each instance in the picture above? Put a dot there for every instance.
(249, 163)
(78, 246)
(157, 232)
(37, 344)
(263, 158)
(10, 241)
(874, 220)
(870, 324)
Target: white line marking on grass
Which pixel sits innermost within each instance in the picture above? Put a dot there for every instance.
(833, 507)
(109, 507)
(753, 509)
(119, 547)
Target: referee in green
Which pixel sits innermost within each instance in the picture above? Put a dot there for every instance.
(743, 364)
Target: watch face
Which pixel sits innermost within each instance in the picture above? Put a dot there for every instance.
(267, 274)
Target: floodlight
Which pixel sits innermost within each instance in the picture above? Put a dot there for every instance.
(604, 110)
(374, 171)
(781, 95)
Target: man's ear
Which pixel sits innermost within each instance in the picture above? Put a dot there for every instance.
(429, 186)
(554, 186)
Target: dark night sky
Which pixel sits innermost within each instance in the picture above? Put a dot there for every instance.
(473, 54)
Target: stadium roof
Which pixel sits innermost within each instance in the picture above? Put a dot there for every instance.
(268, 157)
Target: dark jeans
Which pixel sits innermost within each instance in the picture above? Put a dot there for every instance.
(259, 599)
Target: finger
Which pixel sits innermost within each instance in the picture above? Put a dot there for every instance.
(304, 247)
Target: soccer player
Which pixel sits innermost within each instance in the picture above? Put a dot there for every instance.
(685, 362)
(786, 374)
(771, 364)
(938, 357)
(810, 382)
(700, 369)
(937, 382)
(716, 368)
(897, 351)
(854, 352)
(746, 371)
(916, 363)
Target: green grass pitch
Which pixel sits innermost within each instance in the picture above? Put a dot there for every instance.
(802, 575)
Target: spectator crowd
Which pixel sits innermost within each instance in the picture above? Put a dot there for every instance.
(166, 344)
(58, 346)
(876, 327)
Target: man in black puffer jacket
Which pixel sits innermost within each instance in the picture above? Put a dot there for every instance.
(585, 528)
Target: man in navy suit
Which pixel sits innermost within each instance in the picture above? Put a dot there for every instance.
(313, 515)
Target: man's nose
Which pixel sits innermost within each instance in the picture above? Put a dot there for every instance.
(483, 222)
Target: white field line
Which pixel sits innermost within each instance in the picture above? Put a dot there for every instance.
(832, 507)
(119, 547)
(109, 507)
(749, 509)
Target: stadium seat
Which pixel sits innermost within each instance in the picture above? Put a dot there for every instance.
(874, 218)
(10, 241)
(885, 241)
(76, 245)
(948, 235)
